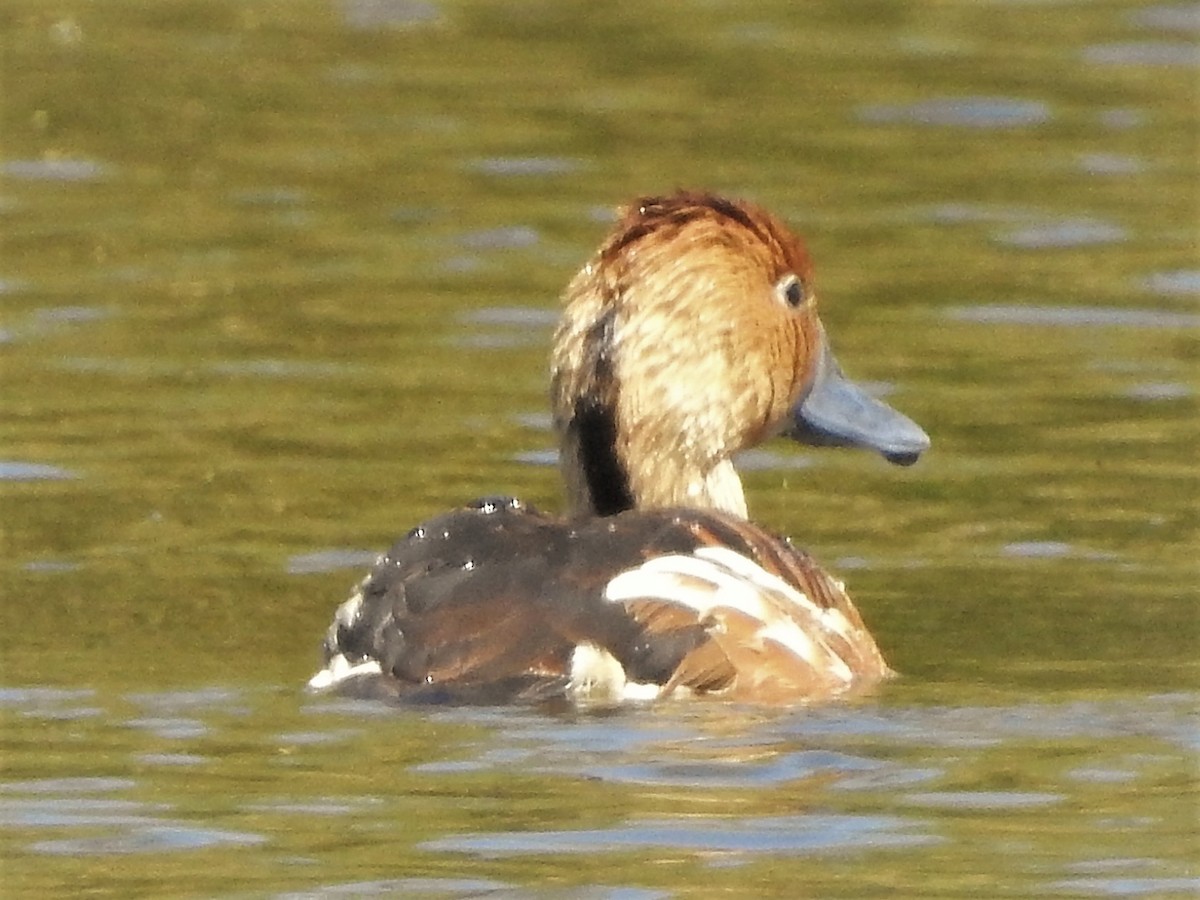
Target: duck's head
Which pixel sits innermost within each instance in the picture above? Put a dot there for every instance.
(691, 335)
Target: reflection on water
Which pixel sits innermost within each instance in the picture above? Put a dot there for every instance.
(278, 282)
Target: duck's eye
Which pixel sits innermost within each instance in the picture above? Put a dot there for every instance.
(791, 291)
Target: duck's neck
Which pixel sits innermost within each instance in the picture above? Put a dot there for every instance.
(644, 434)
(672, 483)
(607, 472)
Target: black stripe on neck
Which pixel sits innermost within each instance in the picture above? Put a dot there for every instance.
(595, 420)
(607, 481)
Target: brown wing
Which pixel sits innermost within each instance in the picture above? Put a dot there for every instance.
(454, 604)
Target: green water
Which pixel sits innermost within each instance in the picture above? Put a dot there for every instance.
(275, 283)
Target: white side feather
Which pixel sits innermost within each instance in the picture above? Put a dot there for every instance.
(715, 578)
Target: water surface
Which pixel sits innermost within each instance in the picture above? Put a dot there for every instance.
(278, 280)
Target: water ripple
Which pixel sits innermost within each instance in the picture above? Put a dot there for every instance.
(1065, 233)
(49, 319)
(534, 421)
(12, 286)
(1109, 164)
(1051, 550)
(50, 566)
(280, 368)
(1121, 119)
(72, 314)
(1182, 17)
(42, 698)
(13, 470)
(1153, 391)
(983, 800)
(963, 112)
(1098, 316)
(1143, 53)
(1179, 282)
(71, 812)
(784, 834)
(171, 759)
(526, 166)
(379, 15)
(501, 327)
(737, 772)
(196, 700)
(759, 460)
(513, 237)
(536, 457)
(330, 561)
(157, 838)
(70, 785)
(170, 728)
(511, 316)
(1130, 887)
(63, 171)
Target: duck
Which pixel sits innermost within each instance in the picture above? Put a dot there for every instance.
(689, 336)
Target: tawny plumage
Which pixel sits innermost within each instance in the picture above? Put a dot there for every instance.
(692, 334)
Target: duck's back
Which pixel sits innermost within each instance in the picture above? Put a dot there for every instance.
(495, 602)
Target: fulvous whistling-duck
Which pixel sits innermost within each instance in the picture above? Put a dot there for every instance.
(691, 335)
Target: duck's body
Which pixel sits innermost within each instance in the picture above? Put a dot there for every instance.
(691, 335)
(496, 601)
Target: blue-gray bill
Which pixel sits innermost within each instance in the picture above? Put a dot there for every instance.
(835, 412)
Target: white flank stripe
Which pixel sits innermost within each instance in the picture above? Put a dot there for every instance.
(715, 578)
(833, 619)
(638, 583)
(756, 574)
(659, 578)
(694, 565)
